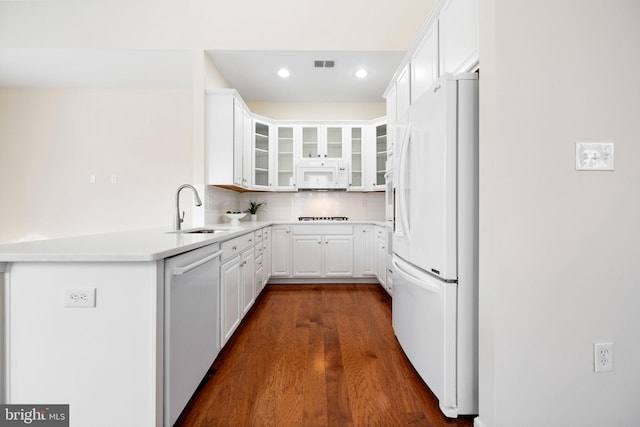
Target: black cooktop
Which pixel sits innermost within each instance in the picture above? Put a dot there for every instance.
(323, 218)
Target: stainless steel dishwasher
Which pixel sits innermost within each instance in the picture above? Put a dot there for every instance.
(191, 324)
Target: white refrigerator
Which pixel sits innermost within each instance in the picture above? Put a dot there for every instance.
(435, 242)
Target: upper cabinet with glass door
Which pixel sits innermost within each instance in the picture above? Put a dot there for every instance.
(381, 156)
(324, 142)
(261, 159)
(357, 181)
(310, 142)
(334, 142)
(285, 157)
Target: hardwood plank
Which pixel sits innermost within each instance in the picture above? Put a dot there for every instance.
(315, 355)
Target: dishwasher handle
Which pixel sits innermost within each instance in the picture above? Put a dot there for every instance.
(178, 271)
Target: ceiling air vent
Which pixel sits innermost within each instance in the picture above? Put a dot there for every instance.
(323, 64)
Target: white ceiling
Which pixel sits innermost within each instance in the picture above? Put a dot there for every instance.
(254, 74)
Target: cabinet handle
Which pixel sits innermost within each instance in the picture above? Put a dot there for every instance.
(251, 240)
(234, 247)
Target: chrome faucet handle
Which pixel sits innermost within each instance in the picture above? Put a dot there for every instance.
(181, 218)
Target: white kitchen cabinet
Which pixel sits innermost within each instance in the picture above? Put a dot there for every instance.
(266, 255)
(364, 262)
(285, 158)
(227, 140)
(458, 36)
(236, 271)
(246, 147)
(358, 156)
(247, 279)
(262, 252)
(424, 63)
(307, 256)
(230, 277)
(381, 256)
(322, 256)
(403, 95)
(392, 127)
(259, 276)
(281, 251)
(261, 155)
(380, 156)
(338, 256)
(329, 254)
(323, 141)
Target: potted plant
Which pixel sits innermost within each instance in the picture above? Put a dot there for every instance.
(253, 209)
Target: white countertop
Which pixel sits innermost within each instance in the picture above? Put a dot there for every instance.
(131, 246)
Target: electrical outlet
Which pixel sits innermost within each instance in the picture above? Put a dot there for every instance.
(85, 297)
(603, 357)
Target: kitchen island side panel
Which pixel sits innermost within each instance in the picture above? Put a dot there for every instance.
(103, 361)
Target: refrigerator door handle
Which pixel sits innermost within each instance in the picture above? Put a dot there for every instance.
(426, 285)
(404, 216)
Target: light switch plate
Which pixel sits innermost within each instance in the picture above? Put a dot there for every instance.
(594, 156)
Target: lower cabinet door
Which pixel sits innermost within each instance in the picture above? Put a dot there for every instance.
(230, 297)
(248, 274)
(307, 256)
(338, 256)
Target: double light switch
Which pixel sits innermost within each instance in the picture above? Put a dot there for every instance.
(595, 156)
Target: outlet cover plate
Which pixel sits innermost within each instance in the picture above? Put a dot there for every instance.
(80, 297)
(603, 357)
(594, 156)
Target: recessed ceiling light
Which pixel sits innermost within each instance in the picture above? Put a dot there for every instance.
(284, 73)
(361, 73)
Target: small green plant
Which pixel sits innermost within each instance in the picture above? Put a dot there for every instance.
(254, 207)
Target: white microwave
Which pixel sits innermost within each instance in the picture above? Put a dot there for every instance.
(324, 174)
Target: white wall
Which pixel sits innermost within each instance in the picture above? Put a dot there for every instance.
(52, 141)
(277, 24)
(558, 266)
(289, 206)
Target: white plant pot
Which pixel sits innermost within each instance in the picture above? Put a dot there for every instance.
(254, 217)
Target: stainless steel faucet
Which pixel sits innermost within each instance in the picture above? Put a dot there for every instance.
(180, 219)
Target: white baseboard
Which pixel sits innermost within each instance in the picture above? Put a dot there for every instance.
(477, 422)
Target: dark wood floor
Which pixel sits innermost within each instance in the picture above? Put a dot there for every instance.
(315, 355)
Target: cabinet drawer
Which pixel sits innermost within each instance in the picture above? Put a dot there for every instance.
(233, 247)
(322, 229)
(258, 235)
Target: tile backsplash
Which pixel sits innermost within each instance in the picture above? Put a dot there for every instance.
(289, 206)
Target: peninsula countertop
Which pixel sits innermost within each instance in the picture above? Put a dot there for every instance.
(130, 246)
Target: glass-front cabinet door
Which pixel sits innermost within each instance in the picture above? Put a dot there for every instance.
(357, 172)
(310, 142)
(334, 142)
(261, 177)
(381, 156)
(324, 142)
(285, 158)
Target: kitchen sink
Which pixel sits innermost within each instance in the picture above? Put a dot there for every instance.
(201, 231)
